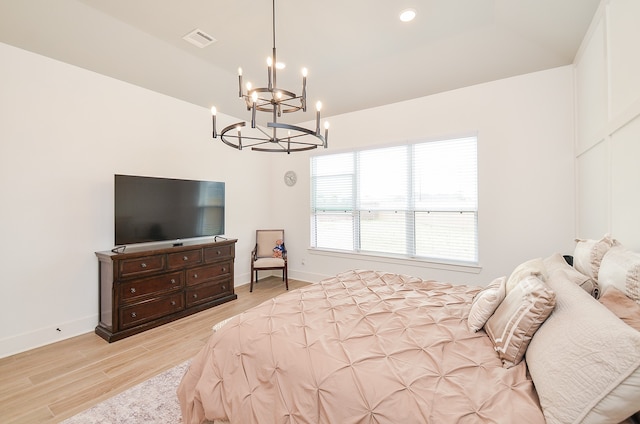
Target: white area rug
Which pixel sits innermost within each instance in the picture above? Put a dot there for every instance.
(152, 401)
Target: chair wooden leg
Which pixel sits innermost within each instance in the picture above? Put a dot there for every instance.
(251, 286)
(286, 277)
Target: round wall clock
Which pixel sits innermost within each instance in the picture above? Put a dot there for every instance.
(290, 178)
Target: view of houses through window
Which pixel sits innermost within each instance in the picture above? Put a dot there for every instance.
(417, 200)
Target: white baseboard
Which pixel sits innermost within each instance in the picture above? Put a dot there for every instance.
(308, 277)
(44, 336)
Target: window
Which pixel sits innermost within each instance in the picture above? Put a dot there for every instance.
(415, 200)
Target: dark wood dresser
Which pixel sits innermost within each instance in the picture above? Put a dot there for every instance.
(143, 289)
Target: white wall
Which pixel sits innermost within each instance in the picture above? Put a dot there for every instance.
(607, 76)
(64, 132)
(526, 172)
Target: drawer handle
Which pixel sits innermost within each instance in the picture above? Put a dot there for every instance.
(195, 295)
(224, 269)
(133, 315)
(224, 287)
(173, 303)
(195, 275)
(133, 290)
(185, 258)
(219, 252)
(173, 281)
(143, 265)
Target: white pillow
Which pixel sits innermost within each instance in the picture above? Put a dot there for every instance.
(620, 268)
(533, 267)
(584, 361)
(588, 254)
(557, 261)
(485, 303)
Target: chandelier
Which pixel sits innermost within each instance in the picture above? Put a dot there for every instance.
(274, 100)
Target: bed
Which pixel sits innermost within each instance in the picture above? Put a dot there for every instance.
(376, 347)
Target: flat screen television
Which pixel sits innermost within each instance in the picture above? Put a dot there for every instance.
(151, 209)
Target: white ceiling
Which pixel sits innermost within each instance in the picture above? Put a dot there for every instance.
(358, 53)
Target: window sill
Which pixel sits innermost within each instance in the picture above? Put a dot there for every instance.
(470, 268)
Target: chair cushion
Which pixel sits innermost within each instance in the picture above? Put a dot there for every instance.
(266, 241)
(268, 263)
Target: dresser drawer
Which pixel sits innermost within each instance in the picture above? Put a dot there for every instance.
(144, 288)
(207, 292)
(212, 254)
(151, 309)
(182, 259)
(136, 289)
(204, 273)
(141, 266)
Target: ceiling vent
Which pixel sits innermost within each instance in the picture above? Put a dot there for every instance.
(199, 38)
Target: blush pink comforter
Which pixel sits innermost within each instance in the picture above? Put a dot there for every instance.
(362, 347)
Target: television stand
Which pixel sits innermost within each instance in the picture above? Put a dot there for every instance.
(144, 289)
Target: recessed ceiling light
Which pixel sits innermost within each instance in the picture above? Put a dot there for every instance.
(407, 15)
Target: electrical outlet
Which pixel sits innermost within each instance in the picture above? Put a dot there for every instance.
(302, 262)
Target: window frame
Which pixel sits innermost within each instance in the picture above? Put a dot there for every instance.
(409, 256)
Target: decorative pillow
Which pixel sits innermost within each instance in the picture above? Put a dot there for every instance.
(588, 255)
(520, 314)
(557, 261)
(622, 306)
(584, 361)
(533, 267)
(621, 268)
(486, 302)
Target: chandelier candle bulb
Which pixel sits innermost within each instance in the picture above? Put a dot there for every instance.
(318, 107)
(213, 121)
(326, 134)
(303, 98)
(269, 66)
(249, 86)
(254, 98)
(240, 81)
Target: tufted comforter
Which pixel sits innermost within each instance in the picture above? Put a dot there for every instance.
(361, 347)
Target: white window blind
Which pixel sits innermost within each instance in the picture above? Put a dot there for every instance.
(415, 200)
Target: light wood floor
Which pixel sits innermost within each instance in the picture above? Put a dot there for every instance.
(54, 382)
